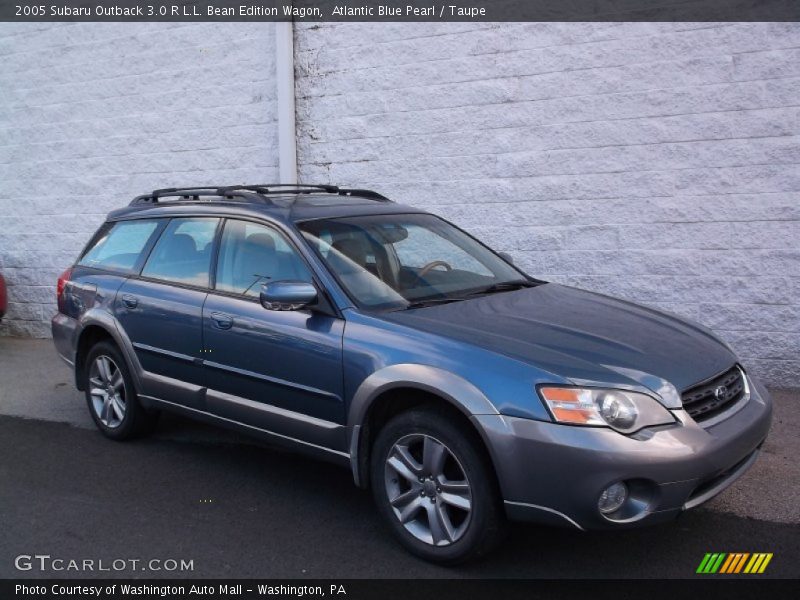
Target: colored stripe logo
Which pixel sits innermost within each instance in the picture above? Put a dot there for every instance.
(731, 563)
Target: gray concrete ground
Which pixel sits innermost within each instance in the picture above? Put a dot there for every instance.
(241, 509)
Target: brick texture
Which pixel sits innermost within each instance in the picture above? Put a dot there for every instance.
(93, 114)
(656, 162)
(653, 161)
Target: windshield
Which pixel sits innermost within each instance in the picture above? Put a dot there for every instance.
(401, 261)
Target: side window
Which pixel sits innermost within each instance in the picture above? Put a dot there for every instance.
(251, 255)
(183, 252)
(120, 248)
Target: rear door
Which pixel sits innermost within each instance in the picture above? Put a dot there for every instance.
(161, 310)
(276, 370)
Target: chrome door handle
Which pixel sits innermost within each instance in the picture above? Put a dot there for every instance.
(222, 320)
(130, 301)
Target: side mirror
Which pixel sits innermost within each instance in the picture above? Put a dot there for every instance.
(287, 295)
(506, 257)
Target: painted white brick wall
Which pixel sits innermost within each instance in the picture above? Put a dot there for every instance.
(93, 114)
(657, 162)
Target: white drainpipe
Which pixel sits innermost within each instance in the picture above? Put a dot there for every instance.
(284, 72)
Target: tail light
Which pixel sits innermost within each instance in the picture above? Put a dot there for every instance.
(62, 282)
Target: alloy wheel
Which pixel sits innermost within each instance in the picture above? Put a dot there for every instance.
(428, 489)
(107, 390)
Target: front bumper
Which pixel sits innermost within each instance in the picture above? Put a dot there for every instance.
(554, 473)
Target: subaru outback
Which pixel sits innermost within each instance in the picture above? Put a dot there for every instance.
(462, 391)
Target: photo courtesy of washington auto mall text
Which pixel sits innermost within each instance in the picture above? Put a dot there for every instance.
(420, 299)
(158, 590)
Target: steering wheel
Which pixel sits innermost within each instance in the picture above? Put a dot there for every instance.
(432, 265)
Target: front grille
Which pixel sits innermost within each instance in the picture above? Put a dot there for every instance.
(710, 398)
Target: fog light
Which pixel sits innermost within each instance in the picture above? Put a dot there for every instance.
(612, 498)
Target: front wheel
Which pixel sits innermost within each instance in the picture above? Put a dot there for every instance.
(111, 395)
(435, 487)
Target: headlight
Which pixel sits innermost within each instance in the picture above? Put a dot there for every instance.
(619, 409)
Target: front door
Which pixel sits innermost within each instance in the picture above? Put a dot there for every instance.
(280, 371)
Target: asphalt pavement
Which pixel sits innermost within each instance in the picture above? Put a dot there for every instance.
(235, 508)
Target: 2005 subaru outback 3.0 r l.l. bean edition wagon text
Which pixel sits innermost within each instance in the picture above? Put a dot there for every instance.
(461, 390)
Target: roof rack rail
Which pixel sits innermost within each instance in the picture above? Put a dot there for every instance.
(302, 188)
(280, 188)
(364, 193)
(191, 194)
(252, 193)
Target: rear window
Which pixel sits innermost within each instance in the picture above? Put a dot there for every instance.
(121, 246)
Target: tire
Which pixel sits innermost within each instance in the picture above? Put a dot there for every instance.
(468, 521)
(121, 416)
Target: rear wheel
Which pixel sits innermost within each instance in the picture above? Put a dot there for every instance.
(111, 395)
(435, 487)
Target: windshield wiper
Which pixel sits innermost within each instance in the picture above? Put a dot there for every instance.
(430, 302)
(506, 286)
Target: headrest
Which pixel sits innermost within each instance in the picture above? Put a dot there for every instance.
(262, 240)
(355, 250)
(180, 246)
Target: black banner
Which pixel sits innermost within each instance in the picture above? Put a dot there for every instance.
(422, 589)
(405, 10)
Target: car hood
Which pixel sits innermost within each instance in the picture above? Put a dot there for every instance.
(581, 336)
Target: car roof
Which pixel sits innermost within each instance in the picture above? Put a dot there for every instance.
(287, 208)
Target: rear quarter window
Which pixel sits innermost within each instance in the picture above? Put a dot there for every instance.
(121, 246)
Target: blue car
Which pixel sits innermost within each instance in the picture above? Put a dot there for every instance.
(461, 391)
